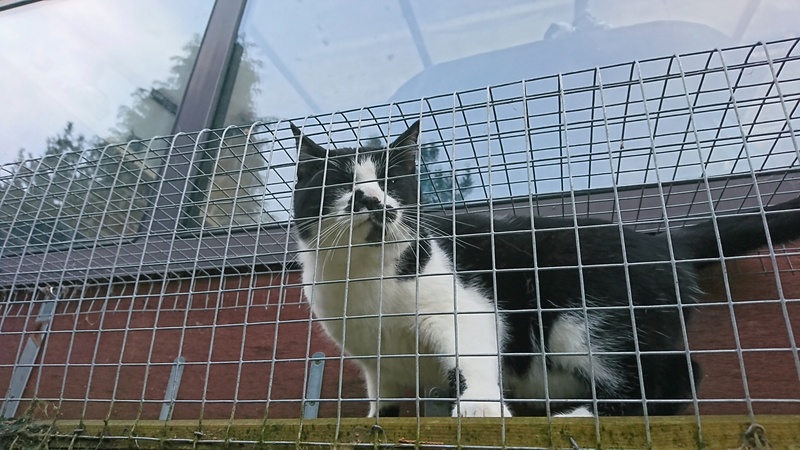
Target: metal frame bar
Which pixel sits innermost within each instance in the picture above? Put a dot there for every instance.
(198, 107)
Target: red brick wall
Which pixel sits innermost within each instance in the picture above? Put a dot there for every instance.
(770, 366)
(144, 329)
(238, 326)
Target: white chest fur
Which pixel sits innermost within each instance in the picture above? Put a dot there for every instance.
(365, 295)
(374, 315)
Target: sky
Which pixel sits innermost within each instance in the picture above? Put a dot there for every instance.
(353, 53)
(83, 59)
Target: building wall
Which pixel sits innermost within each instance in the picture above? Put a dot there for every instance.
(120, 343)
(246, 338)
(765, 334)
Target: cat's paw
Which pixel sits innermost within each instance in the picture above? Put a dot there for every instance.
(581, 411)
(481, 409)
(387, 409)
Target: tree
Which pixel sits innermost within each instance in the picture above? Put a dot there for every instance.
(436, 178)
(79, 189)
(232, 179)
(85, 188)
(153, 109)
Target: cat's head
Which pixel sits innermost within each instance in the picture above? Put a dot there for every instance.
(369, 190)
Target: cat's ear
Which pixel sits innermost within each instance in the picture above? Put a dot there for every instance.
(405, 147)
(310, 154)
(307, 148)
(409, 138)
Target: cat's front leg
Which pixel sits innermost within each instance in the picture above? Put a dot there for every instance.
(479, 388)
(482, 400)
(475, 373)
(386, 408)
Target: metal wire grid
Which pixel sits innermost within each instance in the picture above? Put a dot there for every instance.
(114, 298)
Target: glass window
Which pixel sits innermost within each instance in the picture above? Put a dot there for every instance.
(89, 73)
(295, 59)
(299, 58)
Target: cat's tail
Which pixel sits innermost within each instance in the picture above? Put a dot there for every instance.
(741, 234)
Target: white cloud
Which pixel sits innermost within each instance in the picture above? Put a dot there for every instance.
(81, 59)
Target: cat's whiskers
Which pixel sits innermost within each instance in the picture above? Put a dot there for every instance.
(328, 253)
(393, 235)
(408, 236)
(332, 229)
(432, 224)
(336, 163)
(323, 244)
(413, 243)
(313, 225)
(335, 243)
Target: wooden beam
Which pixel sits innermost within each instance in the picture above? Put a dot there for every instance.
(718, 432)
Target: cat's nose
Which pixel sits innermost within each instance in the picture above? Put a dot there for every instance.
(378, 213)
(363, 201)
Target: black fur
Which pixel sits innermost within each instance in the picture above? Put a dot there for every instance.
(390, 411)
(456, 386)
(414, 258)
(559, 283)
(537, 269)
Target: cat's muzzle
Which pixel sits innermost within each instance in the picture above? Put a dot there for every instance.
(377, 219)
(383, 217)
(376, 213)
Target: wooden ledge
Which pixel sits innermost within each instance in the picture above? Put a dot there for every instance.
(718, 432)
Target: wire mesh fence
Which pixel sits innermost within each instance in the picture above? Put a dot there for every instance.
(132, 291)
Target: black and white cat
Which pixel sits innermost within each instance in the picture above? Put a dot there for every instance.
(418, 299)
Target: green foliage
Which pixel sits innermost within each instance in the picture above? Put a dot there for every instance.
(84, 189)
(78, 190)
(153, 109)
(437, 178)
(24, 433)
